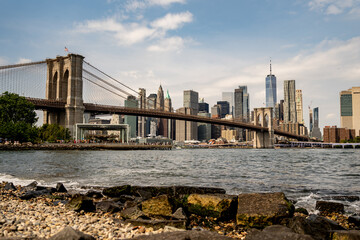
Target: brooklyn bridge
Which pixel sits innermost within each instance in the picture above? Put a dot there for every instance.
(66, 87)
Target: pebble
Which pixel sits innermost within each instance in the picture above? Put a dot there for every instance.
(40, 218)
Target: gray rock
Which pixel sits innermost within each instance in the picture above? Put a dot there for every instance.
(277, 232)
(80, 202)
(60, 188)
(9, 186)
(329, 207)
(69, 233)
(132, 213)
(94, 194)
(179, 214)
(316, 226)
(262, 209)
(108, 206)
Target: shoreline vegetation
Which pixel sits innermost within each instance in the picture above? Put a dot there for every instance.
(174, 212)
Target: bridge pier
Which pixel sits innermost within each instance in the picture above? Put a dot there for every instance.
(264, 117)
(64, 83)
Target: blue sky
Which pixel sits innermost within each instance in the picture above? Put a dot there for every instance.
(210, 46)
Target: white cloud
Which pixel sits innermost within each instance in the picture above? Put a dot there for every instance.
(23, 60)
(126, 33)
(132, 5)
(172, 21)
(168, 44)
(333, 7)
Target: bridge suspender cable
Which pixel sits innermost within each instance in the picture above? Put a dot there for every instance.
(104, 87)
(111, 77)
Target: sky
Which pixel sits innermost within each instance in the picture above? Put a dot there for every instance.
(209, 46)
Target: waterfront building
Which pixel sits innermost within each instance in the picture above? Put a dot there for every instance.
(289, 101)
(131, 102)
(224, 108)
(230, 135)
(204, 129)
(299, 106)
(229, 97)
(142, 120)
(336, 135)
(350, 110)
(270, 89)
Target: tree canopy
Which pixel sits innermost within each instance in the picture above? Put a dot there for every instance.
(53, 132)
(17, 118)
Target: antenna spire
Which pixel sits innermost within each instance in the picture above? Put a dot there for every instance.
(270, 68)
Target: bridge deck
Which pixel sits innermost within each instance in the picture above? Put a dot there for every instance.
(45, 104)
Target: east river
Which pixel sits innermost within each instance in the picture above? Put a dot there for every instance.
(304, 175)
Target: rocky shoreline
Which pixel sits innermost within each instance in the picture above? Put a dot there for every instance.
(176, 212)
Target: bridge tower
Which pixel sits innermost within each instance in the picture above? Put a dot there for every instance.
(64, 83)
(264, 117)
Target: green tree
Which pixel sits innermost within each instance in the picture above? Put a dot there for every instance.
(17, 118)
(53, 132)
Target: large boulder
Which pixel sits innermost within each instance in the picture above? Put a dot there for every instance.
(108, 206)
(262, 209)
(9, 186)
(157, 206)
(316, 226)
(80, 202)
(132, 213)
(277, 232)
(117, 191)
(329, 207)
(212, 205)
(60, 188)
(69, 233)
(346, 235)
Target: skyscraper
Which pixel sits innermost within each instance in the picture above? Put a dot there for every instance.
(270, 89)
(161, 122)
(142, 120)
(246, 104)
(131, 102)
(299, 106)
(316, 130)
(289, 101)
(229, 97)
(160, 99)
(203, 106)
(350, 110)
(191, 100)
(224, 108)
(238, 103)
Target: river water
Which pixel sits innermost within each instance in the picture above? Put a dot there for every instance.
(304, 175)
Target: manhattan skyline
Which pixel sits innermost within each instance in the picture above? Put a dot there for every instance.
(207, 46)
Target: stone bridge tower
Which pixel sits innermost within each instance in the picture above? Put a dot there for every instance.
(264, 117)
(64, 83)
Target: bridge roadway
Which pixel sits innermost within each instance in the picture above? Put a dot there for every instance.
(44, 104)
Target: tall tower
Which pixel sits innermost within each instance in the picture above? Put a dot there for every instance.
(270, 89)
(299, 106)
(160, 99)
(229, 97)
(350, 110)
(246, 104)
(142, 120)
(239, 104)
(170, 131)
(289, 101)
